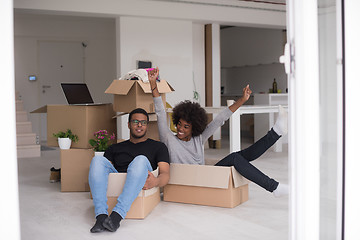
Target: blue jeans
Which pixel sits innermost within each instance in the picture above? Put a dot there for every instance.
(101, 167)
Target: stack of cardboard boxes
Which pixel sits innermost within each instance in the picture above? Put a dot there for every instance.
(128, 95)
(194, 184)
(84, 121)
(131, 94)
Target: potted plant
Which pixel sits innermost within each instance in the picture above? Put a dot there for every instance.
(65, 138)
(101, 141)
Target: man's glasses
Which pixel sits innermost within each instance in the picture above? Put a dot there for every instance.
(136, 122)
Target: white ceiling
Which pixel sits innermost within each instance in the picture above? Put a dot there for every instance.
(227, 2)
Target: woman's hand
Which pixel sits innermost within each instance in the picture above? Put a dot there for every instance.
(153, 74)
(246, 93)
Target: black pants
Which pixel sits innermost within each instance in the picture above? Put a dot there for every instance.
(241, 161)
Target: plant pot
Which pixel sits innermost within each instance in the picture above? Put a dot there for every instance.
(99, 153)
(64, 143)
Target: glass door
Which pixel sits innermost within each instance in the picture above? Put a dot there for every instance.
(316, 110)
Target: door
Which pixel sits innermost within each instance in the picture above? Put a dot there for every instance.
(316, 110)
(59, 61)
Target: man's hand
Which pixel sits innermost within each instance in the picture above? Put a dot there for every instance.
(151, 181)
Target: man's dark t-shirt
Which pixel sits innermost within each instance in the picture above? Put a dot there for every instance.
(121, 154)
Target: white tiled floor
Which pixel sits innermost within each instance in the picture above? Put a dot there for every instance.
(46, 213)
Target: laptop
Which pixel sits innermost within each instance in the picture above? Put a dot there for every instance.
(77, 94)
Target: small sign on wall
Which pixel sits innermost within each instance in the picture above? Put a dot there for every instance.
(32, 78)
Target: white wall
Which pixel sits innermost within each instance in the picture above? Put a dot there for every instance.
(100, 56)
(167, 44)
(199, 61)
(97, 33)
(251, 55)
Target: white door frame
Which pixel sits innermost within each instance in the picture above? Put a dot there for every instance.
(304, 134)
(304, 119)
(8, 175)
(352, 120)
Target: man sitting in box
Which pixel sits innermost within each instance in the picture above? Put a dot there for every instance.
(137, 156)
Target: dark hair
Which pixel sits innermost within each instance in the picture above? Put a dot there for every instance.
(192, 113)
(138, 110)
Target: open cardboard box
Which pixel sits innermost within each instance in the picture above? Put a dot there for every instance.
(83, 120)
(131, 94)
(75, 165)
(143, 204)
(206, 185)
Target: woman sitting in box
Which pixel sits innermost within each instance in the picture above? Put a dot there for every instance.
(187, 146)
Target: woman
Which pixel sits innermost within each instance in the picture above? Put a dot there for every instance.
(187, 146)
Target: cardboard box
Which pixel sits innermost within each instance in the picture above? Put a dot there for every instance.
(143, 204)
(131, 94)
(206, 185)
(153, 130)
(82, 120)
(75, 165)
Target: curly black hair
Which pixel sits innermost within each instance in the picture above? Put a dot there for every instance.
(192, 113)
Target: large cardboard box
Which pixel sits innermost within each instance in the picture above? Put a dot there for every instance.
(131, 94)
(143, 204)
(82, 120)
(206, 185)
(75, 165)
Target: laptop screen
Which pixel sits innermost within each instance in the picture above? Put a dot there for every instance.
(77, 93)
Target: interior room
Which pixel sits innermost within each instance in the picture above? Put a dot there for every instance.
(92, 40)
(207, 52)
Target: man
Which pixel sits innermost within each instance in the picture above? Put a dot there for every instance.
(137, 156)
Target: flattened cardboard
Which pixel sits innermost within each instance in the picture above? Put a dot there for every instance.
(206, 185)
(142, 205)
(131, 94)
(82, 120)
(75, 165)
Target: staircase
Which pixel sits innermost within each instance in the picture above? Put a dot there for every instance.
(27, 146)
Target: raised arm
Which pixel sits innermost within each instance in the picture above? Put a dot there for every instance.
(225, 114)
(152, 75)
(164, 130)
(246, 95)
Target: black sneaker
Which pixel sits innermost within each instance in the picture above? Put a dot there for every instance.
(112, 223)
(98, 227)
